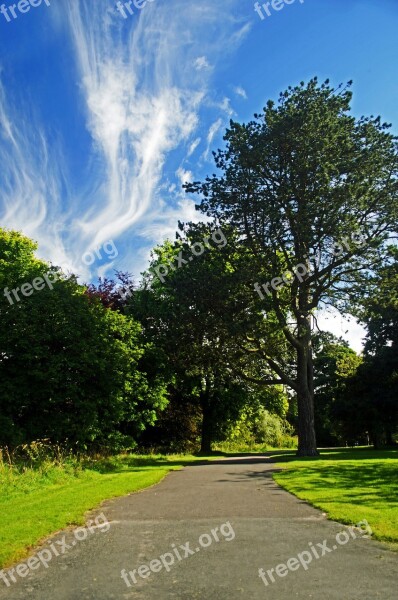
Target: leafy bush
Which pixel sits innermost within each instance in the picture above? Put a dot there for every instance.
(273, 431)
(258, 431)
(71, 370)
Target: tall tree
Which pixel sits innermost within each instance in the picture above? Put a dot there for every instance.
(312, 193)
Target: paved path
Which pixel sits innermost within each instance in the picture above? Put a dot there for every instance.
(257, 524)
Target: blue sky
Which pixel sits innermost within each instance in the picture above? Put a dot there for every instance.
(102, 118)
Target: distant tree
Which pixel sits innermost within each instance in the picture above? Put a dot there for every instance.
(263, 421)
(379, 309)
(372, 394)
(334, 364)
(177, 427)
(112, 293)
(367, 408)
(312, 195)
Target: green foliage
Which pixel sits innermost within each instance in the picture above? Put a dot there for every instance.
(367, 410)
(35, 466)
(191, 315)
(274, 399)
(262, 427)
(304, 183)
(178, 426)
(69, 368)
(334, 364)
(274, 431)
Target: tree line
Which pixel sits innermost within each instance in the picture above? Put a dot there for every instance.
(301, 214)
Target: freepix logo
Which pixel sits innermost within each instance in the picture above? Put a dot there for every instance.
(27, 289)
(167, 560)
(300, 271)
(59, 547)
(321, 549)
(276, 5)
(125, 8)
(23, 6)
(197, 249)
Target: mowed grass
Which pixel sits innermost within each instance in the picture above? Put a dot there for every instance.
(35, 502)
(349, 485)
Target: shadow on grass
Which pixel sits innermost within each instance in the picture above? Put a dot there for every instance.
(134, 463)
(139, 463)
(366, 484)
(334, 454)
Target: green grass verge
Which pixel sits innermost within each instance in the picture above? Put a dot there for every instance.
(37, 502)
(349, 485)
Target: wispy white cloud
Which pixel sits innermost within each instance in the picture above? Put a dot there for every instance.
(225, 106)
(136, 113)
(202, 64)
(163, 224)
(184, 176)
(239, 91)
(240, 34)
(142, 101)
(193, 146)
(31, 181)
(215, 127)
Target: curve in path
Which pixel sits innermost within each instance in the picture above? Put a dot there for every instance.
(203, 533)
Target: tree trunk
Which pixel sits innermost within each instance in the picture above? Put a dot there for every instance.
(305, 393)
(306, 427)
(205, 444)
(377, 435)
(389, 436)
(207, 422)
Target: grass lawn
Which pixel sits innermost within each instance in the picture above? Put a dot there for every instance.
(37, 502)
(349, 485)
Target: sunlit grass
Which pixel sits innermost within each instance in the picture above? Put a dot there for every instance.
(349, 485)
(45, 490)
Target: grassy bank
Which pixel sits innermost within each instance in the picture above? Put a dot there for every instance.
(349, 485)
(41, 495)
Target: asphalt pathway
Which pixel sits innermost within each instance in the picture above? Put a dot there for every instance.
(203, 533)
